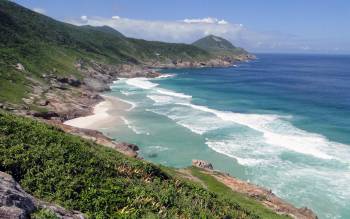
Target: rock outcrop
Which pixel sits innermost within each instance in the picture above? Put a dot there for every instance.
(202, 164)
(97, 137)
(260, 194)
(20, 67)
(265, 196)
(15, 203)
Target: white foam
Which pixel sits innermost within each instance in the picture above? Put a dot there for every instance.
(196, 129)
(161, 99)
(132, 104)
(278, 132)
(135, 129)
(223, 147)
(143, 83)
(275, 130)
(172, 93)
(166, 76)
(156, 148)
(125, 93)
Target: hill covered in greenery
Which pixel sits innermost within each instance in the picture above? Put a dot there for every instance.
(43, 45)
(220, 47)
(32, 45)
(102, 183)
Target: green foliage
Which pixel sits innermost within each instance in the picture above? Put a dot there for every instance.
(219, 46)
(44, 214)
(98, 181)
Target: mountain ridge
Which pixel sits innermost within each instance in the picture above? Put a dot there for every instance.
(222, 48)
(44, 46)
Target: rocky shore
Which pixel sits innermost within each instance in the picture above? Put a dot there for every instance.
(260, 194)
(61, 98)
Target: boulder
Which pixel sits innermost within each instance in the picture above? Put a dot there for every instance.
(20, 67)
(14, 201)
(133, 147)
(43, 102)
(46, 115)
(202, 164)
(72, 81)
(96, 85)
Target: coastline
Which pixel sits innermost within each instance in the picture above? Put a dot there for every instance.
(107, 113)
(82, 115)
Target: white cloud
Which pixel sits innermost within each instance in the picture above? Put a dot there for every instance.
(207, 20)
(186, 30)
(189, 30)
(84, 18)
(39, 10)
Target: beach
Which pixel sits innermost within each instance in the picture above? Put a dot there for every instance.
(106, 114)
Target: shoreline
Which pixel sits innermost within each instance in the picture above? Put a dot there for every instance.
(84, 115)
(105, 114)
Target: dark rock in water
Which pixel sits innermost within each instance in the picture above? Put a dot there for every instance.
(133, 147)
(202, 164)
(46, 115)
(152, 155)
(14, 201)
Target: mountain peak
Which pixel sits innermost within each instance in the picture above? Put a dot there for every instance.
(216, 44)
(212, 42)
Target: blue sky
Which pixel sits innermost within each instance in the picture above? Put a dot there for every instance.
(305, 26)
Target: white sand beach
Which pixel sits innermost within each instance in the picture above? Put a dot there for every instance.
(105, 115)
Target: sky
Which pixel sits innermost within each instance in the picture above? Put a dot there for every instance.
(281, 26)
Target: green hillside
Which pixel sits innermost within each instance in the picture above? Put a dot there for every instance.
(102, 183)
(43, 45)
(219, 46)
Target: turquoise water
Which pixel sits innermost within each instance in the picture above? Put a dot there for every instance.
(281, 121)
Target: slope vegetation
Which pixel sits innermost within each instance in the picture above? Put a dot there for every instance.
(99, 181)
(220, 47)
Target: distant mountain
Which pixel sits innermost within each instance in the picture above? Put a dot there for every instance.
(219, 46)
(43, 45)
(39, 45)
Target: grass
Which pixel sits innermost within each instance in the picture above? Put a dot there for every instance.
(44, 214)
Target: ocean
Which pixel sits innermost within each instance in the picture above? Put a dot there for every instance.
(281, 121)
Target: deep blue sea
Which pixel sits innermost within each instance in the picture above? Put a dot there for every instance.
(281, 121)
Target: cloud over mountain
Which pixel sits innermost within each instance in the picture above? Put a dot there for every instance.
(191, 29)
